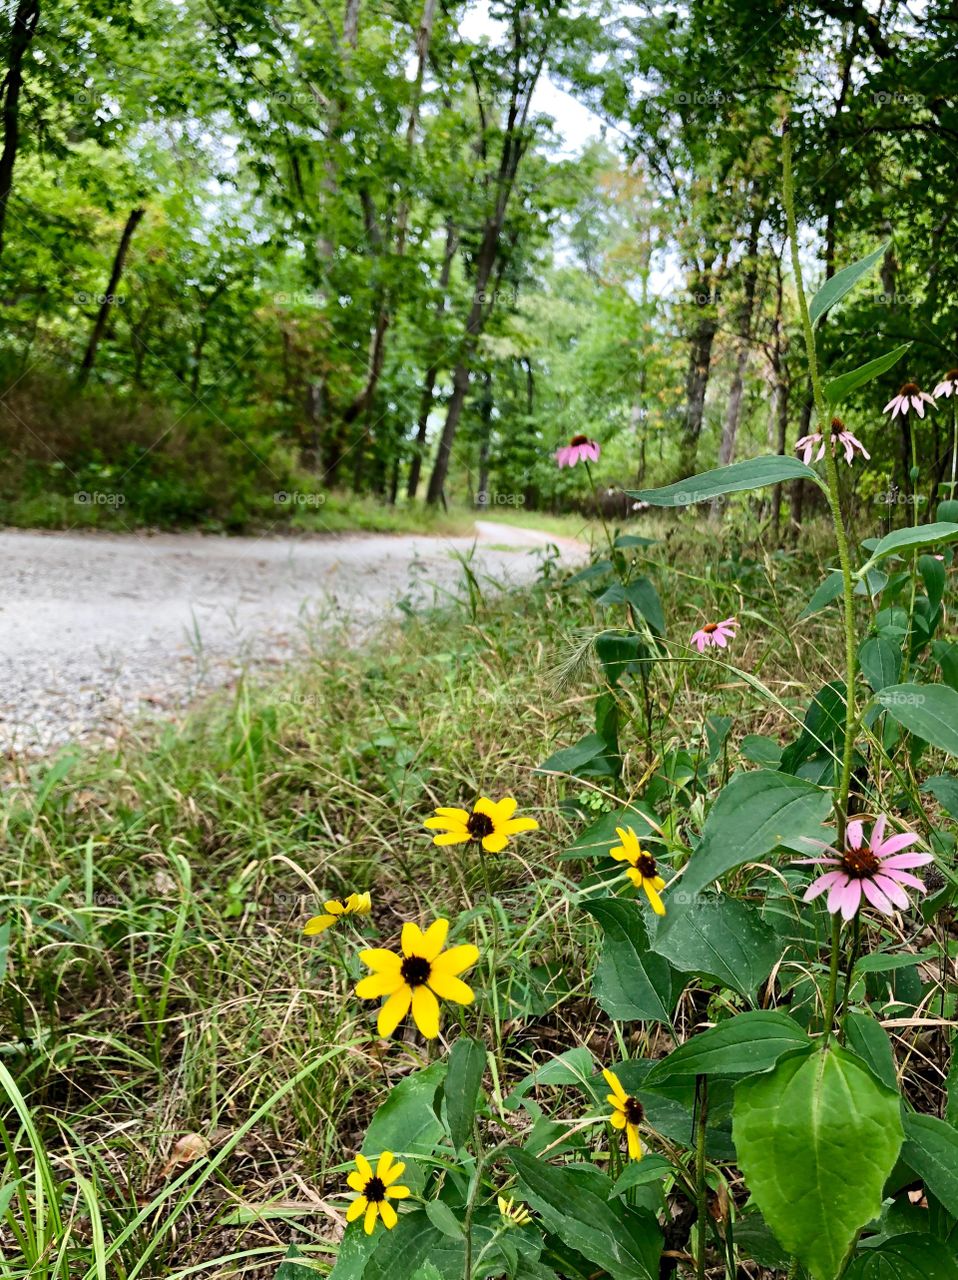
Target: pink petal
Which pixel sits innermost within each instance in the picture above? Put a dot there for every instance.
(720, 639)
(906, 860)
(876, 897)
(905, 877)
(839, 892)
(821, 884)
(893, 891)
(893, 844)
(919, 407)
(878, 832)
(852, 899)
(854, 834)
(729, 622)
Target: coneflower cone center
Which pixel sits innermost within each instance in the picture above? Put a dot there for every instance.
(951, 376)
(375, 1190)
(579, 440)
(910, 389)
(634, 1111)
(710, 627)
(479, 826)
(415, 971)
(860, 863)
(645, 865)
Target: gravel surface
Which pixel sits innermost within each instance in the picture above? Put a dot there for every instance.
(98, 629)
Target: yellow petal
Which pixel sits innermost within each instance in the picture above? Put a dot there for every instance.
(515, 825)
(617, 1119)
(370, 1219)
(380, 960)
(359, 904)
(658, 883)
(612, 1080)
(398, 1193)
(425, 1012)
(434, 939)
(446, 811)
(455, 960)
(364, 1167)
(454, 837)
(635, 877)
(488, 807)
(356, 1209)
(394, 1010)
(356, 1181)
(654, 898)
(388, 1214)
(318, 924)
(385, 1160)
(450, 988)
(334, 907)
(495, 843)
(393, 1172)
(635, 1143)
(620, 854)
(446, 824)
(378, 984)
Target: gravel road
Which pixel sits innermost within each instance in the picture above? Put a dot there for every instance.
(98, 629)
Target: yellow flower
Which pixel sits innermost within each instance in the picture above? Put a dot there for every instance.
(375, 1191)
(514, 1215)
(491, 822)
(642, 870)
(416, 977)
(357, 904)
(627, 1114)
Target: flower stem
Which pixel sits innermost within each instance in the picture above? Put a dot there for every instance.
(701, 1186)
(832, 493)
(608, 535)
(833, 975)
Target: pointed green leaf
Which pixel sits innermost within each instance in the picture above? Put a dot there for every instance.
(911, 1257)
(467, 1062)
(902, 541)
(817, 1137)
(631, 981)
(842, 281)
(754, 814)
(743, 1045)
(930, 711)
(880, 660)
(931, 1149)
(722, 938)
(838, 388)
(754, 473)
(825, 593)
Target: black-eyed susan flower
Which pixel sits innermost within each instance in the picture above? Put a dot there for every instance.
(375, 1191)
(627, 1114)
(491, 823)
(357, 904)
(641, 870)
(513, 1215)
(415, 977)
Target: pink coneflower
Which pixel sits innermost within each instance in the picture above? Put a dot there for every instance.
(948, 384)
(579, 449)
(715, 633)
(840, 439)
(878, 870)
(910, 396)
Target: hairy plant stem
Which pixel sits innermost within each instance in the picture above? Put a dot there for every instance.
(954, 443)
(833, 494)
(701, 1186)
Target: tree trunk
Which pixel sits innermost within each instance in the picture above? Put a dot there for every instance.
(733, 413)
(485, 415)
(22, 32)
(696, 383)
(103, 314)
(429, 383)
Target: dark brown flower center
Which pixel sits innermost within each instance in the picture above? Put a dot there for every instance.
(375, 1190)
(634, 1111)
(860, 863)
(910, 389)
(579, 440)
(837, 425)
(645, 865)
(479, 826)
(710, 627)
(415, 970)
(951, 376)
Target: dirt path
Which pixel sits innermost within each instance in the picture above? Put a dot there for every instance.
(95, 629)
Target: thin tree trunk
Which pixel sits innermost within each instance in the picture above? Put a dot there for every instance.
(733, 413)
(103, 314)
(22, 32)
(485, 415)
(697, 376)
(429, 383)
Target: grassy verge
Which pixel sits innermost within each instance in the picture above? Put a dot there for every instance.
(160, 999)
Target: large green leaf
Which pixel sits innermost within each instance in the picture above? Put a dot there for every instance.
(613, 1237)
(931, 1149)
(631, 981)
(930, 711)
(722, 938)
(817, 1137)
(600, 836)
(743, 1045)
(295, 1266)
(754, 473)
(407, 1123)
(838, 388)
(642, 596)
(589, 750)
(901, 541)
(880, 660)
(842, 281)
(828, 590)
(945, 790)
(868, 1038)
(467, 1062)
(911, 1257)
(416, 1240)
(753, 815)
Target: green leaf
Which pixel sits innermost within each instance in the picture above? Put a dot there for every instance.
(754, 473)
(428, 1272)
(639, 1173)
(599, 837)
(296, 1266)
(828, 590)
(823, 726)
(945, 790)
(626, 540)
(842, 281)
(743, 1045)
(754, 814)
(867, 1038)
(902, 541)
(758, 749)
(631, 981)
(575, 1066)
(617, 650)
(880, 660)
(467, 1063)
(642, 596)
(722, 938)
(407, 1123)
(931, 1150)
(817, 1137)
(621, 1241)
(572, 759)
(839, 388)
(934, 577)
(443, 1219)
(910, 1257)
(930, 711)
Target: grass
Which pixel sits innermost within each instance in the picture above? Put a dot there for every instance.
(160, 999)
